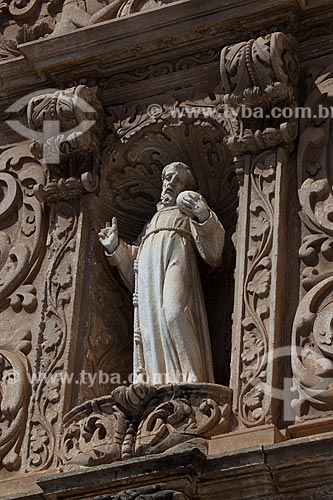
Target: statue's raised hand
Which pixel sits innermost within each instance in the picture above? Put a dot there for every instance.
(109, 236)
(194, 205)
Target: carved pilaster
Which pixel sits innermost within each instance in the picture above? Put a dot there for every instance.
(257, 76)
(69, 159)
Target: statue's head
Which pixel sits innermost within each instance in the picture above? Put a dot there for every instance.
(176, 177)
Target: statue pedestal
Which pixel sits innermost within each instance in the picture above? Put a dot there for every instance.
(144, 420)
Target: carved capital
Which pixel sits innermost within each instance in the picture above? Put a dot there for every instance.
(257, 76)
(68, 126)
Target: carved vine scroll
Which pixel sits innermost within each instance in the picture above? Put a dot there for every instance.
(259, 75)
(21, 221)
(312, 355)
(15, 392)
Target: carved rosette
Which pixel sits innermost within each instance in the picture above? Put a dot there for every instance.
(312, 341)
(68, 126)
(257, 76)
(143, 420)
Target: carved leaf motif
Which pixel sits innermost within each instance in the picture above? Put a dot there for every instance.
(15, 391)
(312, 352)
(113, 428)
(54, 332)
(21, 222)
(257, 290)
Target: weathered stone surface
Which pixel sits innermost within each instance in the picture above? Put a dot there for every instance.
(142, 420)
(63, 310)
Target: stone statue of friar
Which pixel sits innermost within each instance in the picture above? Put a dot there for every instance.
(171, 336)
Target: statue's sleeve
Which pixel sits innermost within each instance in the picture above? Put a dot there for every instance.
(123, 257)
(209, 239)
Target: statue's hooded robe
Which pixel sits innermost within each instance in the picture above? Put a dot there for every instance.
(171, 336)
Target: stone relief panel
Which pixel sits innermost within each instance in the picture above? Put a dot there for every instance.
(312, 331)
(22, 236)
(48, 391)
(144, 420)
(22, 22)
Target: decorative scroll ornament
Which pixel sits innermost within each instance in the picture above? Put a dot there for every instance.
(21, 224)
(258, 76)
(15, 392)
(312, 341)
(47, 390)
(142, 420)
(155, 492)
(253, 405)
(71, 150)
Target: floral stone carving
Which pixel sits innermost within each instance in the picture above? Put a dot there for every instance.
(142, 420)
(15, 392)
(22, 230)
(312, 340)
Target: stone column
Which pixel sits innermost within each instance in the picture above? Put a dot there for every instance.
(258, 76)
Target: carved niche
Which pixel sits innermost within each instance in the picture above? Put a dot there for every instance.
(258, 76)
(22, 237)
(312, 340)
(141, 145)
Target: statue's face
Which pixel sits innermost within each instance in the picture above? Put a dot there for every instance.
(174, 182)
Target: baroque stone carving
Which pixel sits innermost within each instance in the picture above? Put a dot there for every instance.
(312, 330)
(33, 19)
(15, 392)
(171, 337)
(131, 185)
(156, 492)
(257, 288)
(70, 147)
(140, 419)
(260, 74)
(45, 412)
(21, 226)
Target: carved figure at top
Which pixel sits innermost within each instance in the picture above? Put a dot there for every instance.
(171, 336)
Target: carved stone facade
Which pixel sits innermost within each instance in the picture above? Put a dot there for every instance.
(96, 98)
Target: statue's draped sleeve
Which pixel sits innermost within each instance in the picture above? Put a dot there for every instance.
(209, 239)
(123, 257)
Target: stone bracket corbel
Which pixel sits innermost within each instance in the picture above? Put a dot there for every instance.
(68, 130)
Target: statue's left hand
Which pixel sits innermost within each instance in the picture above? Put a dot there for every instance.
(195, 205)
